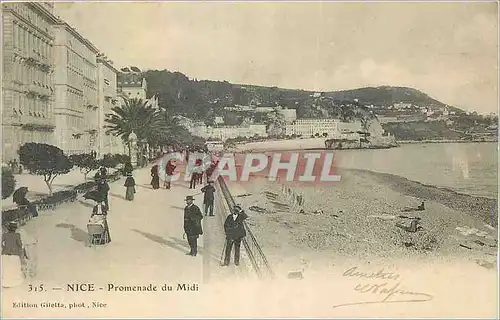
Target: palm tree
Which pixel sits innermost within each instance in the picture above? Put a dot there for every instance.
(135, 116)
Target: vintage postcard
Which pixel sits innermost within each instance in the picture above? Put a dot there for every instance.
(249, 159)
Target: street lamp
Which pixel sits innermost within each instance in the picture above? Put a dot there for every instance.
(132, 140)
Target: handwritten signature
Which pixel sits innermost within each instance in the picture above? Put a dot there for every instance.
(390, 291)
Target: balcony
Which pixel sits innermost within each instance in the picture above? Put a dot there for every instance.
(91, 107)
(37, 124)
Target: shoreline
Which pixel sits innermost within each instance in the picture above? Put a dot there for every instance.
(356, 219)
(319, 144)
(444, 141)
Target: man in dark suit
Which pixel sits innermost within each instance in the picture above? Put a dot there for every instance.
(208, 198)
(235, 232)
(103, 189)
(192, 224)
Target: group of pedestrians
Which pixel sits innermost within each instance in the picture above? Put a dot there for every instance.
(233, 227)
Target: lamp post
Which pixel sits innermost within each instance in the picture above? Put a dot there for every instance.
(132, 152)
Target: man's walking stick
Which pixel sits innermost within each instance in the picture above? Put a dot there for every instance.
(222, 253)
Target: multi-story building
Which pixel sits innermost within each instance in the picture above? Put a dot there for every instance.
(309, 127)
(132, 85)
(289, 115)
(106, 100)
(27, 87)
(226, 132)
(76, 109)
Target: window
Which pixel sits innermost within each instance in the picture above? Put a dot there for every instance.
(15, 32)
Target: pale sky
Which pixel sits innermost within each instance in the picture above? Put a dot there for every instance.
(447, 50)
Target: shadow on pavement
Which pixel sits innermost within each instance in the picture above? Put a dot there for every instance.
(76, 233)
(161, 240)
(86, 204)
(145, 186)
(183, 243)
(117, 196)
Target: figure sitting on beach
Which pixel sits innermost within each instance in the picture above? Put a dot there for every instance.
(413, 227)
(421, 207)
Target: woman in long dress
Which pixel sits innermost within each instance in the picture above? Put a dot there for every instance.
(130, 187)
(155, 181)
(29, 240)
(169, 172)
(12, 253)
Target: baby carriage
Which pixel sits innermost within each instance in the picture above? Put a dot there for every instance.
(97, 227)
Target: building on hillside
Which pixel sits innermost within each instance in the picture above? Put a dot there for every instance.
(383, 119)
(76, 109)
(309, 127)
(402, 105)
(28, 86)
(226, 132)
(132, 85)
(107, 99)
(219, 120)
(264, 109)
(290, 115)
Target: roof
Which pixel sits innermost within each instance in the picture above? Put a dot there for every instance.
(77, 35)
(129, 79)
(107, 63)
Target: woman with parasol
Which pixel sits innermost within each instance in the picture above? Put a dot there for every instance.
(26, 208)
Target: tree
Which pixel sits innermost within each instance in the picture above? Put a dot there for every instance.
(46, 160)
(147, 122)
(275, 123)
(8, 182)
(111, 160)
(86, 162)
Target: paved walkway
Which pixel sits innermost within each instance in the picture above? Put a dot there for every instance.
(147, 247)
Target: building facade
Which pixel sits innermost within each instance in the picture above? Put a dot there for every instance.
(76, 109)
(310, 127)
(27, 87)
(106, 100)
(132, 85)
(289, 115)
(226, 132)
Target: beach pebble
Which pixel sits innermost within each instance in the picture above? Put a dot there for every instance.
(296, 275)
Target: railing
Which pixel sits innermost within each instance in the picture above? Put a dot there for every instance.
(252, 247)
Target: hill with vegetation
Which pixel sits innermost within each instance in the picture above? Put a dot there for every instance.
(202, 99)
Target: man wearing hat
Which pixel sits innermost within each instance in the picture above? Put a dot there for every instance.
(208, 198)
(192, 224)
(235, 232)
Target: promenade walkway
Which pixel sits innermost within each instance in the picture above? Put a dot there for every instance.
(147, 247)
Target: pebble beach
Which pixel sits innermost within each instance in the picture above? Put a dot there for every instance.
(358, 217)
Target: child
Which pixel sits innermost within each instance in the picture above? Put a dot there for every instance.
(12, 253)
